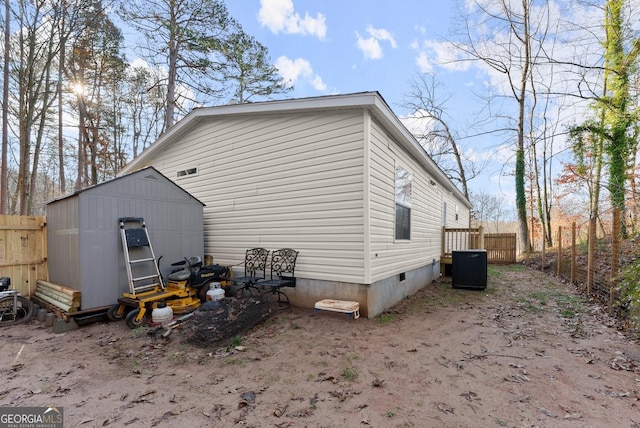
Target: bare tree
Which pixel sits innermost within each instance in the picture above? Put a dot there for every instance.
(95, 68)
(609, 134)
(489, 209)
(510, 44)
(36, 51)
(4, 167)
(145, 106)
(436, 134)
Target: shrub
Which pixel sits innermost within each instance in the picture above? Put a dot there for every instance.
(628, 293)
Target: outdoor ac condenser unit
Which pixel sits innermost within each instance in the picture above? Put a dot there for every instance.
(469, 269)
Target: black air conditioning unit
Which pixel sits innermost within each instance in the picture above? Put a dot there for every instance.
(469, 269)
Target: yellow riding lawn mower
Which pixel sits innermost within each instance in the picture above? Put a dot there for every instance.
(185, 289)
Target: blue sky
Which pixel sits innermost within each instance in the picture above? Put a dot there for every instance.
(347, 46)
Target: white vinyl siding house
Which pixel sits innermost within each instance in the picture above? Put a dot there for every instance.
(316, 175)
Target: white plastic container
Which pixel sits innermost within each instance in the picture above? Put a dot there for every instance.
(162, 314)
(215, 293)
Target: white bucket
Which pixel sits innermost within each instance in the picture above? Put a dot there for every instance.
(215, 292)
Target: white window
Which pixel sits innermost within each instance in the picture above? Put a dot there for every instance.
(188, 171)
(403, 203)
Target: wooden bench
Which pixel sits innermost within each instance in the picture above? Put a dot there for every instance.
(343, 306)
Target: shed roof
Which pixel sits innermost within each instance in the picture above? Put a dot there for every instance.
(370, 101)
(141, 171)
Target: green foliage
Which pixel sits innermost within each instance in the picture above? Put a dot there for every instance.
(178, 358)
(541, 297)
(247, 67)
(350, 373)
(570, 306)
(234, 362)
(619, 118)
(385, 318)
(628, 293)
(492, 271)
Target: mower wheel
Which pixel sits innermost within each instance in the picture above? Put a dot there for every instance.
(131, 319)
(112, 313)
(202, 292)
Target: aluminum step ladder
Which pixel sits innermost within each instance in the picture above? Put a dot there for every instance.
(140, 260)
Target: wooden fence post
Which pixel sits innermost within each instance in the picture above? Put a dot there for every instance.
(591, 254)
(544, 245)
(573, 252)
(559, 249)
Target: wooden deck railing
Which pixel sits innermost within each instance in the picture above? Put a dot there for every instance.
(454, 239)
(501, 247)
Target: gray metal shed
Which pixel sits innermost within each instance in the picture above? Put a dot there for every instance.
(83, 235)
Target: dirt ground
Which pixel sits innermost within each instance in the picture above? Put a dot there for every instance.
(525, 352)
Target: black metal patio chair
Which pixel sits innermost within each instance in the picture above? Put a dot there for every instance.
(283, 264)
(255, 267)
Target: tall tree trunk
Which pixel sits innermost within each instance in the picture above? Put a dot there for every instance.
(82, 131)
(25, 110)
(619, 64)
(4, 167)
(521, 198)
(62, 182)
(173, 73)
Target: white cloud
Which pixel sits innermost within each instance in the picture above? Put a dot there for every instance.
(442, 54)
(293, 70)
(279, 16)
(418, 122)
(370, 46)
(139, 63)
(381, 34)
(424, 63)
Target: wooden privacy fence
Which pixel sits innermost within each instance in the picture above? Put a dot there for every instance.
(501, 247)
(23, 251)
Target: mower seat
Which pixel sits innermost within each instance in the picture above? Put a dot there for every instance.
(181, 275)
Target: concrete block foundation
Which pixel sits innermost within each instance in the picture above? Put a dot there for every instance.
(373, 298)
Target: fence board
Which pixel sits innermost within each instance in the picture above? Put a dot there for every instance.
(501, 247)
(23, 251)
